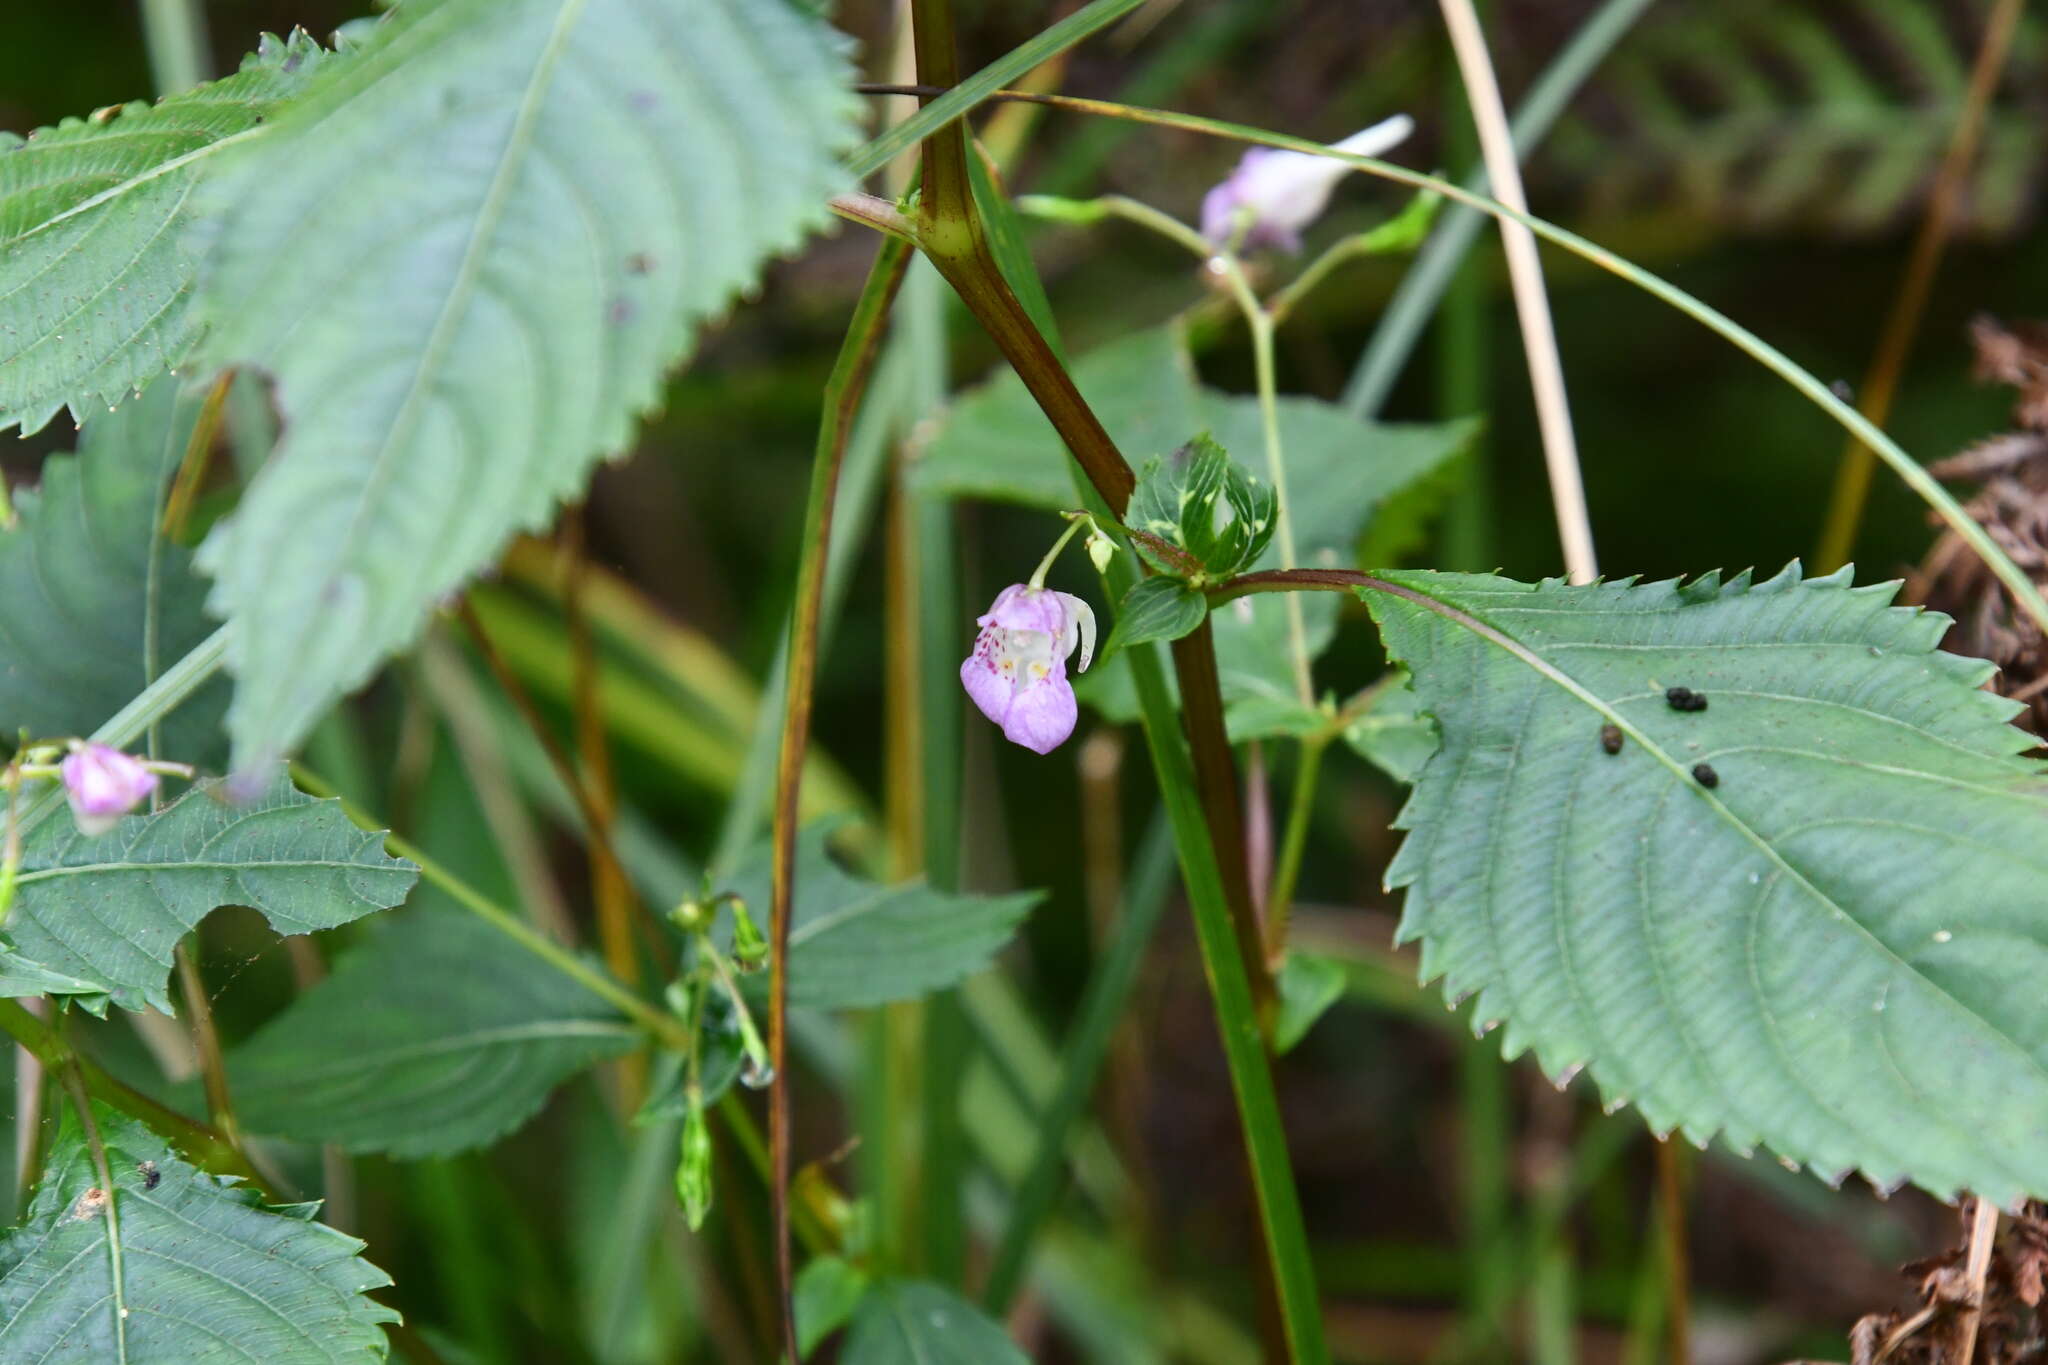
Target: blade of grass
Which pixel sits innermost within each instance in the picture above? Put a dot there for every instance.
(843, 392)
(861, 479)
(1102, 1003)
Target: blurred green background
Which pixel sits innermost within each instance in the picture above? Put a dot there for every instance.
(1771, 158)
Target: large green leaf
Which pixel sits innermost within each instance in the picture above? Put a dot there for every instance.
(1829, 939)
(854, 943)
(207, 1273)
(95, 277)
(83, 570)
(106, 912)
(436, 1035)
(466, 256)
(914, 1322)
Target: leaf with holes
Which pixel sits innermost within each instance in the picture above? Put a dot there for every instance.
(855, 943)
(437, 1035)
(466, 256)
(95, 278)
(106, 912)
(201, 1263)
(94, 601)
(1811, 914)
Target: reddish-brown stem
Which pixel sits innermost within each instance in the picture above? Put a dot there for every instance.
(1201, 703)
(610, 890)
(843, 393)
(1290, 580)
(959, 248)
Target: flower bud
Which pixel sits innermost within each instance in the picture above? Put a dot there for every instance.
(103, 784)
(1101, 549)
(749, 948)
(693, 1170)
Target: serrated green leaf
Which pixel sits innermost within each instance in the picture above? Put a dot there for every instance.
(855, 943)
(466, 256)
(208, 1273)
(914, 1322)
(1833, 947)
(78, 587)
(95, 278)
(437, 1035)
(109, 910)
(1158, 608)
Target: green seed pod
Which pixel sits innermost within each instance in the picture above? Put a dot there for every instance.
(693, 1171)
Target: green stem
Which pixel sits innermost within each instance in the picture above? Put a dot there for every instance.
(1197, 778)
(1074, 524)
(1095, 1020)
(1280, 900)
(203, 1145)
(1260, 324)
(842, 396)
(750, 1036)
(663, 1025)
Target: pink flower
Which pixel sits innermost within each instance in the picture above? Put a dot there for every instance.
(1017, 673)
(1281, 192)
(102, 785)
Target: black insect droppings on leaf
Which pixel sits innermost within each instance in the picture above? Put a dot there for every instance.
(1704, 774)
(150, 1174)
(1610, 738)
(1684, 699)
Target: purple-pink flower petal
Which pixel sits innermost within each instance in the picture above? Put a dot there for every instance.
(1278, 192)
(1042, 714)
(102, 784)
(1017, 672)
(985, 683)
